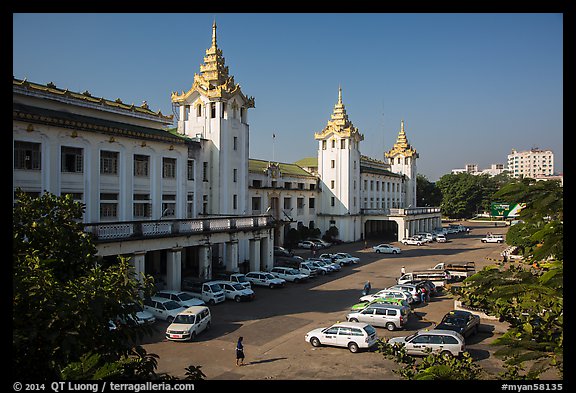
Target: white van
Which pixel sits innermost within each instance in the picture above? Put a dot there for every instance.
(390, 316)
(189, 323)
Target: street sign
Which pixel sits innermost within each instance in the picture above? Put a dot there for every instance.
(506, 210)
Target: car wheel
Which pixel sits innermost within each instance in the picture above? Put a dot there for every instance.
(447, 354)
(208, 325)
(353, 320)
(271, 286)
(378, 251)
(315, 342)
(211, 302)
(394, 252)
(390, 326)
(237, 299)
(296, 280)
(192, 336)
(353, 347)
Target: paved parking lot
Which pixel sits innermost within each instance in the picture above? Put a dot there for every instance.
(274, 324)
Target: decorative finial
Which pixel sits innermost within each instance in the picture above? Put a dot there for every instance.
(402, 126)
(339, 94)
(214, 33)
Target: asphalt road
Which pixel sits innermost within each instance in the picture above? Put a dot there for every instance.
(274, 324)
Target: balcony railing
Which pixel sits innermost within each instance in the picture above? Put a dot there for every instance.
(124, 230)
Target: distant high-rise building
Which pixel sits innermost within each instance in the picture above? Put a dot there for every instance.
(531, 163)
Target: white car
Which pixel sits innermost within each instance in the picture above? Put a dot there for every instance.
(354, 259)
(320, 269)
(424, 237)
(331, 266)
(493, 239)
(265, 279)
(440, 238)
(137, 316)
(341, 259)
(445, 342)
(289, 274)
(236, 291)
(324, 244)
(189, 323)
(410, 288)
(386, 249)
(412, 241)
(389, 293)
(351, 335)
(162, 308)
(309, 244)
(182, 298)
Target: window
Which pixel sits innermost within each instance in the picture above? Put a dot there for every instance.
(300, 186)
(212, 110)
(288, 185)
(256, 183)
(234, 201)
(392, 312)
(311, 203)
(142, 206)
(108, 205)
(190, 205)
(191, 164)
(449, 340)
(332, 183)
(287, 203)
(235, 175)
(168, 205)
(424, 339)
(235, 143)
(108, 162)
(204, 204)
(186, 112)
(27, 155)
(332, 201)
(332, 164)
(72, 159)
(223, 111)
(333, 143)
(141, 165)
(256, 204)
(205, 171)
(168, 168)
(312, 186)
(199, 110)
(436, 339)
(342, 143)
(324, 145)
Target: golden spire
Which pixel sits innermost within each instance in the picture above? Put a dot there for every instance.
(339, 122)
(214, 33)
(402, 146)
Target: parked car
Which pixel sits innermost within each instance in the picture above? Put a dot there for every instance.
(162, 308)
(493, 239)
(381, 300)
(463, 322)
(342, 260)
(386, 249)
(411, 289)
(389, 293)
(351, 335)
(354, 259)
(446, 342)
(429, 285)
(281, 252)
(425, 237)
(189, 323)
(390, 316)
(136, 315)
(309, 245)
(236, 291)
(182, 298)
(336, 267)
(316, 240)
(289, 274)
(321, 270)
(265, 279)
(440, 238)
(412, 241)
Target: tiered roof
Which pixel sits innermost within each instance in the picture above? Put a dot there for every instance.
(339, 123)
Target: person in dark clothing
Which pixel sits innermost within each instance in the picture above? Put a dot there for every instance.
(367, 288)
(240, 352)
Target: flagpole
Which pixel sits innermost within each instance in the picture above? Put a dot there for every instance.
(273, 139)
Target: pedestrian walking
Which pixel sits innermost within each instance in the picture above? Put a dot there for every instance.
(423, 295)
(367, 288)
(402, 271)
(240, 352)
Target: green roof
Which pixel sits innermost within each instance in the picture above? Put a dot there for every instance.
(260, 166)
(307, 162)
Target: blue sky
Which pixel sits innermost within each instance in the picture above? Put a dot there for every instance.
(470, 87)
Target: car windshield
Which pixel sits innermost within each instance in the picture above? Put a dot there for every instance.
(369, 329)
(186, 319)
(215, 288)
(238, 287)
(241, 278)
(293, 271)
(185, 296)
(171, 305)
(269, 276)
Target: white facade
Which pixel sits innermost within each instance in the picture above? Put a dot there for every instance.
(531, 163)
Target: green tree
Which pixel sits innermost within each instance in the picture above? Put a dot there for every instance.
(63, 299)
(427, 194)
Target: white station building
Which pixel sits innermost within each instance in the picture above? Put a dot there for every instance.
(189, 201)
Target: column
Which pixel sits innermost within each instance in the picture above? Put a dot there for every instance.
(174, 268)
(204, 262)
(232, 256)
(266, 249)
(254, 254)
(138, 262)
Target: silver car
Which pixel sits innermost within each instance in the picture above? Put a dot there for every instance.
(446, 342)
(390, 316)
